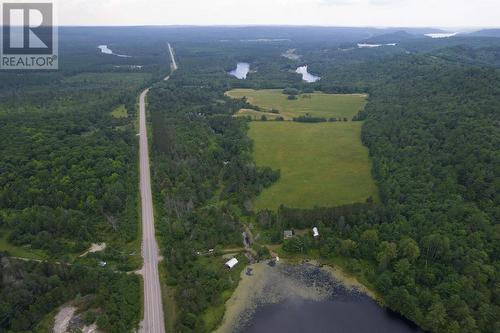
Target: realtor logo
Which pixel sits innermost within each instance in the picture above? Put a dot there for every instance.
(29, 36)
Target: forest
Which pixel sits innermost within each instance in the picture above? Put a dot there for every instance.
(68, 178)
(430, 248)
(204, 173)
(29, 290)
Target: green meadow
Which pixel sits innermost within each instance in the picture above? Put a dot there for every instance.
(321, 164)
(315, 104)
(120, 112)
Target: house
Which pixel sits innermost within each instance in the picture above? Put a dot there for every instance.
(231, 263)
(315, 232)
(287, 234)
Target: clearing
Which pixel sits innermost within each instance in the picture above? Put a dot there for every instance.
(315, 104)
(18, 251)
(120, 112)
(321, 164)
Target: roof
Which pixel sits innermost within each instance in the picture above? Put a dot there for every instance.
(315, 232)
(287, 233)
(231, 263)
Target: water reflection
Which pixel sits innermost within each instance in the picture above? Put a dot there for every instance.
(342, 310)
(442, 35)
(106, 50)
(241, 71)
(306, 76)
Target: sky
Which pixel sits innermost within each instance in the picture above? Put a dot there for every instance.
(375, 13)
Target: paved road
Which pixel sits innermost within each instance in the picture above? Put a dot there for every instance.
(153, 308)
(171, 50)
(154, 321)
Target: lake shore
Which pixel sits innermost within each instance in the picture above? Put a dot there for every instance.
(272, 284)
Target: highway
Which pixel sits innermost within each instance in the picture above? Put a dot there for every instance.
(154, 321)
(171, 50)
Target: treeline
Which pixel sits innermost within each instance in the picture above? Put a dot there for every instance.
(311, 119)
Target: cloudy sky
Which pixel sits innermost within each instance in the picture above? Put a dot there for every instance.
(435, 13)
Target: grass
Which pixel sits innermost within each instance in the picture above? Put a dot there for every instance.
(168, 297)
(321, 164)
(120, 112)
(18, 251)
(315, 104)
(213, 316)
(364, 268)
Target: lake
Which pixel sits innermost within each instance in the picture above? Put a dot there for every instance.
(442, 35)
(241, 71)
(346, 312)
(371, 46)
(306, 76)
(106, 50)
(306, 298)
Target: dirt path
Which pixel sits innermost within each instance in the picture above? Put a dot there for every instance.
(61, 320)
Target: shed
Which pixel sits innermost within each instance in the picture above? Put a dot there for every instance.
(287, 234)
(231, 263)
(315, 232)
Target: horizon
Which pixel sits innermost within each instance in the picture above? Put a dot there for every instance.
(458, 29)
(447, 14)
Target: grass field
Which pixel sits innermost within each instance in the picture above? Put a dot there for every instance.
(18, 251)
(321, 164)
(120, 112)
(315, 104)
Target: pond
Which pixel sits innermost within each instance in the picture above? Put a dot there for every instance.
(306, 298)
(241, 71)
(306, 76)
(346, 312)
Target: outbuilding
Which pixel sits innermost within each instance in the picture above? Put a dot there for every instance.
(315, 232)
(231, 263)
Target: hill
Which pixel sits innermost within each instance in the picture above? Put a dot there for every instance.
(486, 33)
(393, 37)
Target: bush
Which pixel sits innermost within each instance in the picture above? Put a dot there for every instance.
(291, 91)
(90, 317)
(309, 119)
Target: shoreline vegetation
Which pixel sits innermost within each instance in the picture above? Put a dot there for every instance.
(243, 301)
